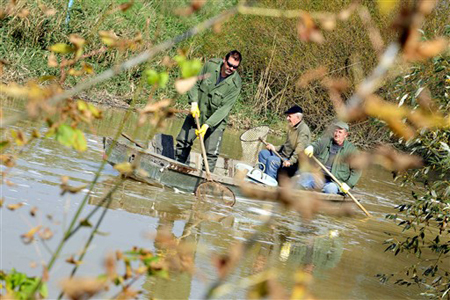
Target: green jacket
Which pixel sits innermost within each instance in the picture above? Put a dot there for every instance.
(340, 168)
(215, 101)
(298, 137)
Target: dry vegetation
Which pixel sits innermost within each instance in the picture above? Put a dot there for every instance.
(323, 59)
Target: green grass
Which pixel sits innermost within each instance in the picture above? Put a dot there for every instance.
(346, 52)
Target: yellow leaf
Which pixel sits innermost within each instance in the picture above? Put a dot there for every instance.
(71, 260)
(14, 90)
(46, 234)
(141, 270)
(23, 13)
(432, 48)
(15, 206)
(81, 105)
(18, 137)
(386, 6)
(71, 189)
(95, 112)
(61, 48)
(426, 120)
(47, 78)
(124, 168)
(52, 61)
(109, 38)
(77, 40)
(50, 12)
(80, 288)
(184, 85)
(400, 128)
(29, 236)
(64, 179)
(379, 108)
(79, 43)
(328, 22)
(79, 142)
(35, 134)
(87, 68)
(155, 107)
(307, 30)
(74, 72)
(7, 160)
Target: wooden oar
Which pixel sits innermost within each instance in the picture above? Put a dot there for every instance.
(274, 151)
(340, 184)
(133, 141)
(202, 144)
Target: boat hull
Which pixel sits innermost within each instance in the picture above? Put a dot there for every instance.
(159, 170)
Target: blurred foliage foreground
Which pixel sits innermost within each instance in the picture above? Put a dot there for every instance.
(406, 63)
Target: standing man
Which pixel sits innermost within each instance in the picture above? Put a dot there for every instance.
(298, 137)
(333, 153)
(211, 99)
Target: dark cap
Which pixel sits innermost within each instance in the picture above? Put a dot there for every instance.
(342, 125)
(293, 110)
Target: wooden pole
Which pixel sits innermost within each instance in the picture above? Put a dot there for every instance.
(133, 141)
(340, 184)
(276, 153)
(202, 144)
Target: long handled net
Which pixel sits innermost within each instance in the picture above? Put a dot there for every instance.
(250, 143)
(214, 192)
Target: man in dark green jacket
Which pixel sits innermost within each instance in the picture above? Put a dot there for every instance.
(333, 153)
(298, 137)
(211, 98)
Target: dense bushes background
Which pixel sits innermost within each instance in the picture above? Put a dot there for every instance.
(274, 57)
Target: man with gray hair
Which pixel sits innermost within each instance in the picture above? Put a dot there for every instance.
(298, 137)
(333, 152)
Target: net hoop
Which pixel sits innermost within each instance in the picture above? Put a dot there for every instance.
(254, 134)
(216, 191)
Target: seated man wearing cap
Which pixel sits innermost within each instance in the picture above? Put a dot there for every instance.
(298, 136)
(333, 152)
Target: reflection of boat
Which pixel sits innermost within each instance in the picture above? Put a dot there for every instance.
(161, 170)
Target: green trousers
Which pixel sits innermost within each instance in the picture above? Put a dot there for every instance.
(186, 137)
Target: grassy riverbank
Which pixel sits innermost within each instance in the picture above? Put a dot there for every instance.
(274, 59)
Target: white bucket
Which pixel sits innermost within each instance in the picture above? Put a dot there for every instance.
(257, 175)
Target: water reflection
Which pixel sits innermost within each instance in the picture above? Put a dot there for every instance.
(343, 266)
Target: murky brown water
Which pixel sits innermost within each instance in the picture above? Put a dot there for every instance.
(344, 267)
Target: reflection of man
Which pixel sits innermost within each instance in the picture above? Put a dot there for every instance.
(298, 136)
(211, 98)
(333, 153)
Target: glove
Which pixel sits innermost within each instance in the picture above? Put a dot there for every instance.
(309, 151)
(194, 110)
(202, 130)
(345, 188)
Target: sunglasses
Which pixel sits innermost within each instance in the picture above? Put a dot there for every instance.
(231, 65)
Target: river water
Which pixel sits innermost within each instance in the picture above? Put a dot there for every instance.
(343, 264)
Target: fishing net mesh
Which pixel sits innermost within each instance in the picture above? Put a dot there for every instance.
(251, 144)
(215, 192)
